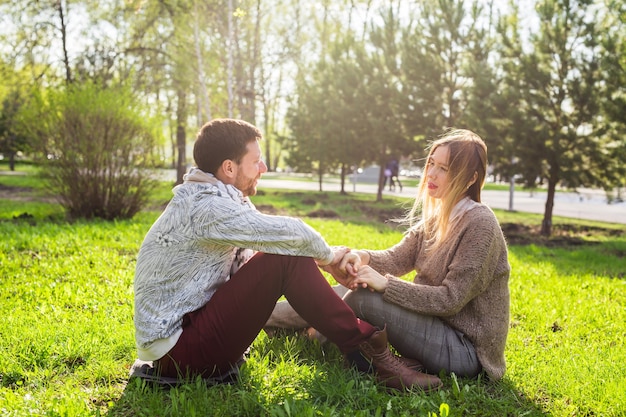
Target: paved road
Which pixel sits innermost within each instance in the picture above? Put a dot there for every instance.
(588, 204)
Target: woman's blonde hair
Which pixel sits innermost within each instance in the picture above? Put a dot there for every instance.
(467, 157)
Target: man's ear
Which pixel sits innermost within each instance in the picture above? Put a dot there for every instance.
(227, 169)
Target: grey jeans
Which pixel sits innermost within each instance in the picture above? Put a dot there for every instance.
(425, 338)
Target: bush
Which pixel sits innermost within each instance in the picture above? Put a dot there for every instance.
(99, 146)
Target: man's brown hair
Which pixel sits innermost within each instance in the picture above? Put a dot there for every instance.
(222, 139)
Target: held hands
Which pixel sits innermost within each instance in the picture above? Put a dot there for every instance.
(336, 268)
(351, 263)
(362, 275)
(348, 269)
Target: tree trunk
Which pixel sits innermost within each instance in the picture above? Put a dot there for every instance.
(268, 138)
(173, 148)
(66, 60)
(256, 52)
(343, 179)
(381, 183)
(320, 175)
(12, 161)
(229, 68)
(546, 224)
(181, 136)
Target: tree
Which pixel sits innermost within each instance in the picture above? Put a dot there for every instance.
(312, 139)
(558, 82)
(328, 121)
(13, 96)
(28, 47)
(348, 108)
(612, 120)
(308, 145)
(99, 143)
(493, 94)
(12, 140)
(203, 55)
(386, 136)
(445, 62)
(159, 41)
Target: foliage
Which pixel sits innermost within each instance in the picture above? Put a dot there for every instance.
(99, 147)
(363, 81)
(13, 95)
(556, 86)
(67, 337)
(348, 112)
(444, 53)
(613, 95)
(12, 140)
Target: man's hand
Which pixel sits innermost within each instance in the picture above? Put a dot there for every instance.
(350, 263)
(335, 267)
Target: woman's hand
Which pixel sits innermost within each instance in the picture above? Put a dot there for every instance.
(367, 277)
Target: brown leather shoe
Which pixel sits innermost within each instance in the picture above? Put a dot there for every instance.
(390, 370)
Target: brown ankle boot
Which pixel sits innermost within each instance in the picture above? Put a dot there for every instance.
(389, 370)
(411, 363)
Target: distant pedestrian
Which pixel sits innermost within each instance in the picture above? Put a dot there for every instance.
(395, 172)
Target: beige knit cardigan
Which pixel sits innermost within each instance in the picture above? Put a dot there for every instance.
(464, 282)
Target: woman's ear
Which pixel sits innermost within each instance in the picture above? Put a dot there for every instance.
(473, 180)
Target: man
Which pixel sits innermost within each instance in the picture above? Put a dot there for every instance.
(212, 267)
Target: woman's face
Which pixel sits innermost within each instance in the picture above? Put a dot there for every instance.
(437, 172)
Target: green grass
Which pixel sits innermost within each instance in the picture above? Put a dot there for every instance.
(66, 331)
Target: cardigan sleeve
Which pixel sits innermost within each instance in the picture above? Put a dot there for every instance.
(400, 259)
(467, 268)
(237, 225)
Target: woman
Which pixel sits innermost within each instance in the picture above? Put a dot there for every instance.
(454, 315)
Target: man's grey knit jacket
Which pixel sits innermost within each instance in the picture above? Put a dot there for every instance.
(194, 247)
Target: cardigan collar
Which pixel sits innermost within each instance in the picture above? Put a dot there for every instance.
(197, 176)
(463, 206)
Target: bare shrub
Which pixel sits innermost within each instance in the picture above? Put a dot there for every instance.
(99, 148)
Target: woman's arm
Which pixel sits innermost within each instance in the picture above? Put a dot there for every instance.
(467, 266)
(399, 259)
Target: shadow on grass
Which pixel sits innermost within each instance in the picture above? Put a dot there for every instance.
(285, 376)
(243, 399)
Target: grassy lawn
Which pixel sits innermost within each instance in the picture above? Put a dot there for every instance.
(66, 333)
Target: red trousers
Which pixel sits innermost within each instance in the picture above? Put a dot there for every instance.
(215, 337)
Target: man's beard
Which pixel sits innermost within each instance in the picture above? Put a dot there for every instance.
(246, 186)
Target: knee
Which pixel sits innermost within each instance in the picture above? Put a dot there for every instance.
(340, 290)
(368, 306)
(355, 299)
